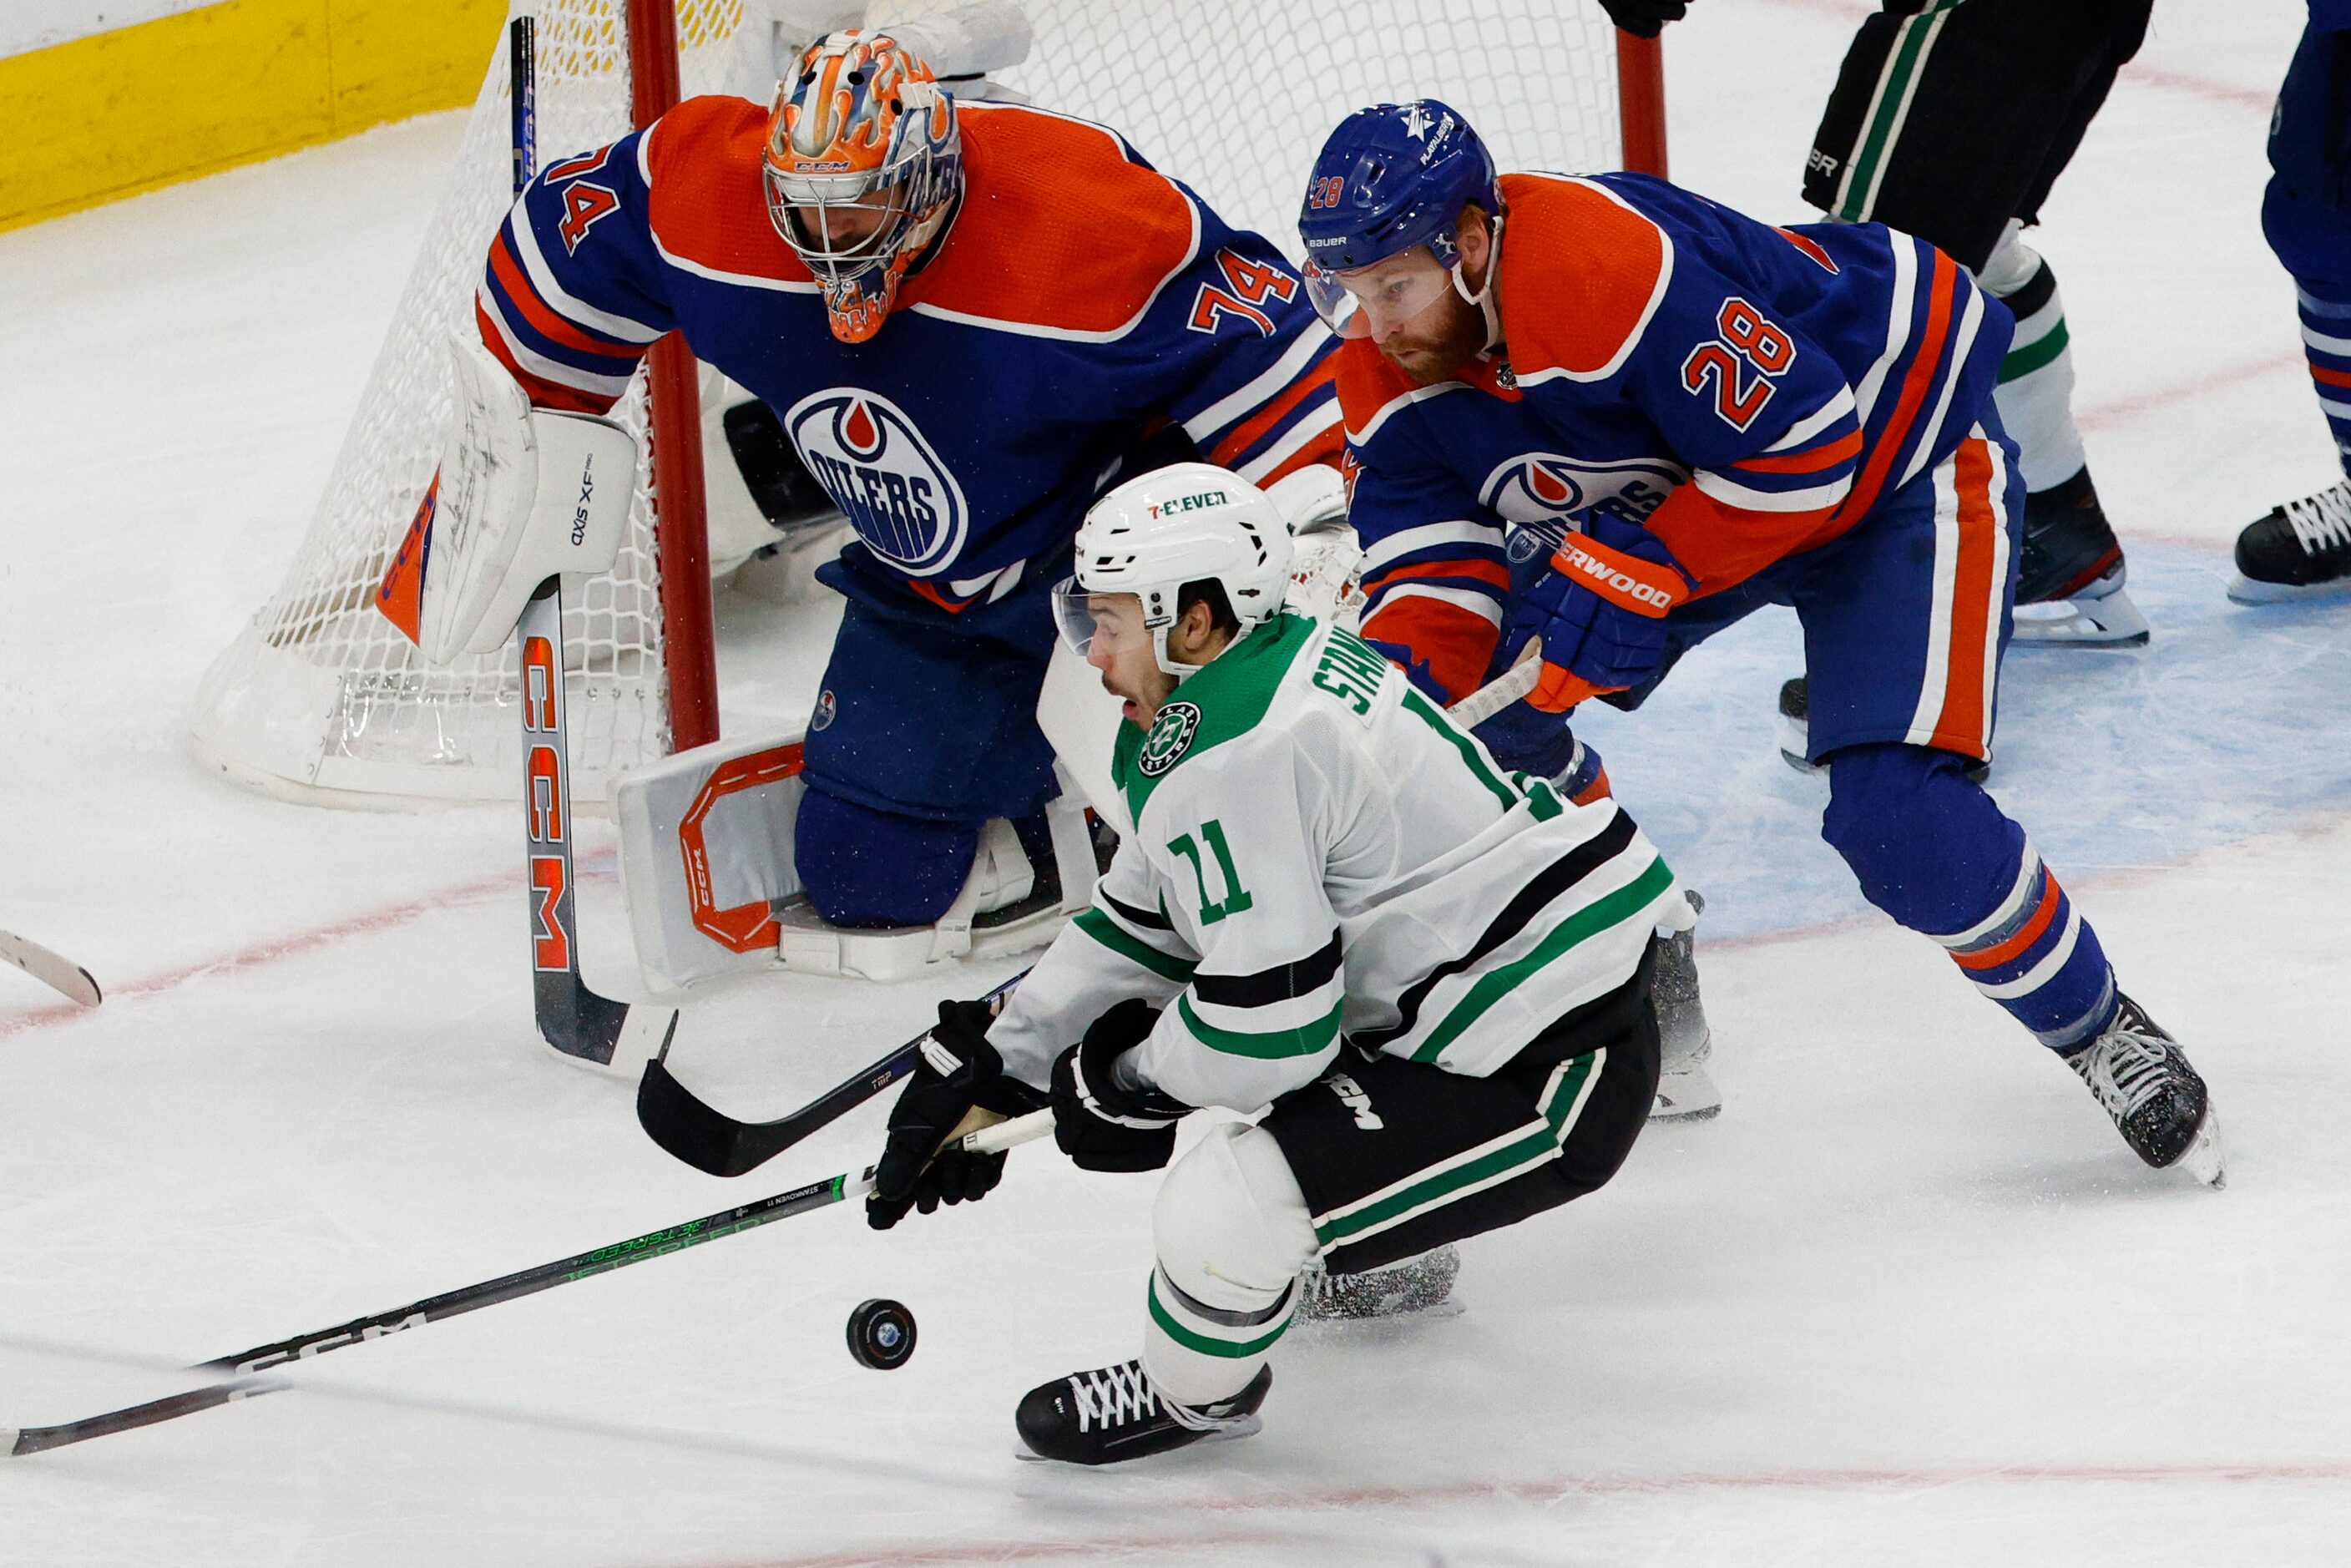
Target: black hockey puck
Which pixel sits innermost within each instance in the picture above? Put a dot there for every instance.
(881, 1335)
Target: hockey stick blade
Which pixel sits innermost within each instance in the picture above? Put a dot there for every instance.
(597, 1031)
(716, 1143)
(241, 1382)
(62, 976)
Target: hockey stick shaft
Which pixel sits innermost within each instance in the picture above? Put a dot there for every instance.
(245, 1365)
(60, 975)
(1497, 694)
(713, 1142)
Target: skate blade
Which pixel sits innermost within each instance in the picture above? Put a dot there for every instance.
(1794, 738)
(2245, 590)
(1247, 1427)
(2112, 622)
(1685, 1096)
(2202, 1158)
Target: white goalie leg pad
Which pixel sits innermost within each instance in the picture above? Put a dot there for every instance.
(1232, 1231)
(523, 494)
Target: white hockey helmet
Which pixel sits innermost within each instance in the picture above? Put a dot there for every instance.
(1188, 522)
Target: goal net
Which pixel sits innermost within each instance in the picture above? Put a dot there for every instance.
(320, 698)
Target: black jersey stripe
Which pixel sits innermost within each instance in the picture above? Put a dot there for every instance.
(1266, 987)
(1144, 919)
(1525, 907)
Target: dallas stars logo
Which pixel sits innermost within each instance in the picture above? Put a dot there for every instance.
(1416, 122)
(1170, 737)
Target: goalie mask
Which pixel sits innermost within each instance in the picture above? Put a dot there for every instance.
(1186, 523)
(864, 166)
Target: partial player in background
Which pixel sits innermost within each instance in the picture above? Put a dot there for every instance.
(1430, 975)
(2303, 548)
(1698, 415)
(960, 361)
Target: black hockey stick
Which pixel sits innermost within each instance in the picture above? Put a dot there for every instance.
(244, 1383)
(713, 1142)
(572, 1018)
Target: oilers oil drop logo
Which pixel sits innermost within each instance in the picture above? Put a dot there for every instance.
(886, 478)
(1545, 486)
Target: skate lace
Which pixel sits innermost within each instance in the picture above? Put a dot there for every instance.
(1115, 1396)
(2129, 1066)
(2322, 521)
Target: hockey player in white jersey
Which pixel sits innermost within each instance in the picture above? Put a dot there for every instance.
(1431, 975)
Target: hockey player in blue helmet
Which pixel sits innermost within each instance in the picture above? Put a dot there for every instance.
(1688, 415)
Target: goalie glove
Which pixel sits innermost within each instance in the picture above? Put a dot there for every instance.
(1099, 1126)
(1601, 613)
(960, 1074)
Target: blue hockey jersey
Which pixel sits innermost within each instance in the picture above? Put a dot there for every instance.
(1079, 300)
(1746, 393)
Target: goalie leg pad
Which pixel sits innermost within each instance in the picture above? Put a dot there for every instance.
(864, 868)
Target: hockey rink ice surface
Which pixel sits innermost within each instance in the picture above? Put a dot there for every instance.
(1908, 1301)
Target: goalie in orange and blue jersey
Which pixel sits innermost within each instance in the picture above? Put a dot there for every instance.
(1685, 415)
(971, 318)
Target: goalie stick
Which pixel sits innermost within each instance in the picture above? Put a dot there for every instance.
(60, 975)
(712, 1141)
(717, 1143)
(246, 1365)
(573, 1019)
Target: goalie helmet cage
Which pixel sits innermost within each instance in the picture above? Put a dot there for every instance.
(321, 699)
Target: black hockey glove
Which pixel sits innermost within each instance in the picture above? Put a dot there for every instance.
(1645, 18)
(1101, 1127)
(959, 1072)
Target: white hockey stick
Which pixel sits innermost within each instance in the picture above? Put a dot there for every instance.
(1499, 693)
(59, 975)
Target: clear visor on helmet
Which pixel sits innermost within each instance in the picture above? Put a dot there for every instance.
(1375, 300)
(1082, 615)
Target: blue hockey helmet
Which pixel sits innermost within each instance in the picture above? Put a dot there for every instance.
(1390, 177)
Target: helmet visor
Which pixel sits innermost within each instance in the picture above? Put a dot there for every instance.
(1072, 614)
(1372, 301)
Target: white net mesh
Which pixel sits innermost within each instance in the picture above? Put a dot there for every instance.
(321, 696)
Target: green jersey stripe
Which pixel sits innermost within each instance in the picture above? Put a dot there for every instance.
(2022, 361)
(1193, 1340)
(1500, 1164)
(1307, 1040)
(1106, 931)
(1571, 1082)
(1614, 909)
(1418, 705)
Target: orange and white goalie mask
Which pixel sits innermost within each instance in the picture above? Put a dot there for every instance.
(864, 166)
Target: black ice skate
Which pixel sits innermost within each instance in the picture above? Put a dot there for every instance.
(1686, 1090)
(2069, 585)
(2142, 1078)
(2301, 550)
(1101, 1417)
(1416, 1285)
(1795, 731)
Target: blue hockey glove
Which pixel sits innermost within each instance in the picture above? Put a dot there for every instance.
(960, 1072)
(1101, 1127)
(1600, 612)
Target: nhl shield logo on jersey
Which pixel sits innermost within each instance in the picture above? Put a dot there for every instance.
(886, 477)
(1171, 735)
(1543, 487)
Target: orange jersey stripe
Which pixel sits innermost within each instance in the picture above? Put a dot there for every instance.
(1809, 461)
(1457, 643)
(1915, 383)
(1247, 433)
(1488, 571)
(1329, 449)
(1960, 727)
(544, 394)
(535, 311)
(2326, 377)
